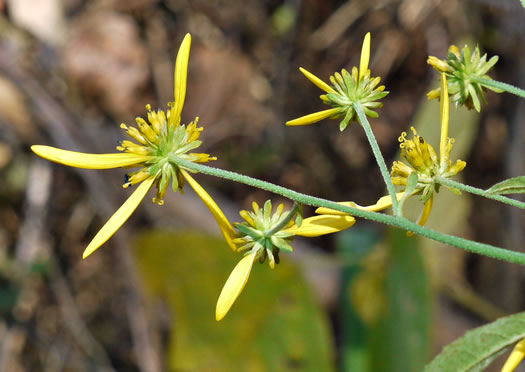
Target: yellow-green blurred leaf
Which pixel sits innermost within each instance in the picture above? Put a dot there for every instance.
(275, 325)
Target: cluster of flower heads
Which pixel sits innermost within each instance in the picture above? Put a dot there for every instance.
(162, 139)
(157, 142)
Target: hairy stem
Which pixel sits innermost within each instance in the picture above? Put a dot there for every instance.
(403, 223)
(474, 190)
(379, 157)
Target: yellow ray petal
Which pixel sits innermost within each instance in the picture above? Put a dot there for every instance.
(515, 357)
(318, 82)
(120, 216)
(222, 221)
(321, 225)
(445, 112)
(365, 56)
(425, 213)
(181, 76)
(234, 286)
(89, 161)
(313, 118)
(382, 203)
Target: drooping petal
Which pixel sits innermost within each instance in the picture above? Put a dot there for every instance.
(234, 286)
(365, 56)
(222, 221)
(181, 76)
(313, 118)
(382, 203)
(120, 216)
(445, 113)
(318, 82)
(321, 225)
(89, 161)
(425, 213)
(515, 357)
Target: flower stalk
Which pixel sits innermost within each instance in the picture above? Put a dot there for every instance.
(377, 154)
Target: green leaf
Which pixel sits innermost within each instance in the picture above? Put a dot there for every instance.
(275, 324)
(386, 303)
(402, 336)
(476, 347)
(514, 185)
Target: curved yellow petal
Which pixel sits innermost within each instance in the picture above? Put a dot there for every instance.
(89, 161)
(318, 82)
(181, 76)
(120, 216)
(365, 56)
(322, 225)
(445, 113)
(382, 203)
(222, 221)
(234, 286)
(425, 213)
(313, 118)
(515, 357)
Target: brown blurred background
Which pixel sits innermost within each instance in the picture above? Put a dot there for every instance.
(71, 71)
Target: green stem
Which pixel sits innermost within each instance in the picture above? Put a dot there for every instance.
(474, 190)
(285, 221)
(379, 157)
(471, 246)
(499, 85)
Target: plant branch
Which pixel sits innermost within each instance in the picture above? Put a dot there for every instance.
(403, 223)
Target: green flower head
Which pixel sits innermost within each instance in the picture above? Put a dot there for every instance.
(346, 90)
(463, 70)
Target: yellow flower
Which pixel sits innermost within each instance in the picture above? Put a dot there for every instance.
(461, 69)
(347, 89)
(423, 160)
(262, 236)
(515, 357)
(161, 136)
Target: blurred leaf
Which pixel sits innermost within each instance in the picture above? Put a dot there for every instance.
(352, 243)
(283, 18)
(480, 345)
(386, 304)
(514, 185)
(275, 324)
(400, 341)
